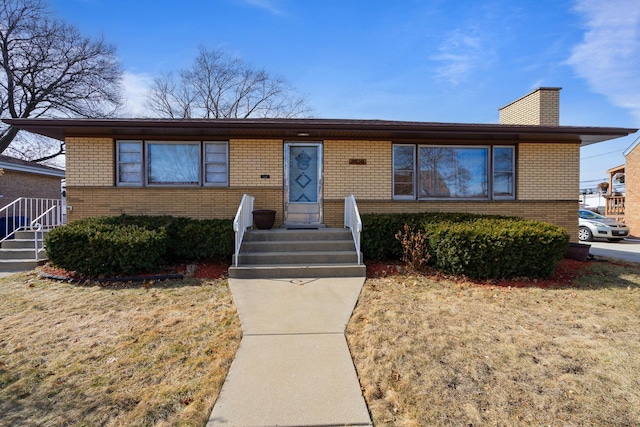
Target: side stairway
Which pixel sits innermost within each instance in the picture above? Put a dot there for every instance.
(282, 253)
(18, 254)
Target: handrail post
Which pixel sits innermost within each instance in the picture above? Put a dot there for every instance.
(241, 222)
(353, 221)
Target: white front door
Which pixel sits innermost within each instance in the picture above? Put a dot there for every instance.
(303, 183)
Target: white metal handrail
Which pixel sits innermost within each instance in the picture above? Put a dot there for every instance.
(49, 219)
(242, 221)
(18, 214)
(353, 221)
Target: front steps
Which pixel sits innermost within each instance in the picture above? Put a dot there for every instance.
(18, 254)
(304, 253)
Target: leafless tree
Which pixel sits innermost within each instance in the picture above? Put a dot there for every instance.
(48, 69)
(219, 85)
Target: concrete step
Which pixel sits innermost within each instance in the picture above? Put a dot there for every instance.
(298, 246)
(27, 235)
(296, 271)
(18, 265)
(297, 235)
(17, 254)
(308, 257)
(19, 244)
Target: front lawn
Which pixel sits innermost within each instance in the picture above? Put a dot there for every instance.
(136, 355)
(435, 350)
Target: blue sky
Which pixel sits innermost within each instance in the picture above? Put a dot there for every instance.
(422, 60)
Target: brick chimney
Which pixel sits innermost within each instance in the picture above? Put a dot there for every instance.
(540, 107)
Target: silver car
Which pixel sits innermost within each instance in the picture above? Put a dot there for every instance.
(595, 225)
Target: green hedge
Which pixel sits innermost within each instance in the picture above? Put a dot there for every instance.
(129, 244)
(474, 245)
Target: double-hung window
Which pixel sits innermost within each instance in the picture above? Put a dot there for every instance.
(216, 163)
(503, 172)
(453, 172)
(129, 163)
(172, 163)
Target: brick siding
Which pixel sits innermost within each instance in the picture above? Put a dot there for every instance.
(15, 184)
(252, 158)
(90, 162)
(548, 171)
(632, 191)
(540, 107)
(547, 183)
(372, 180)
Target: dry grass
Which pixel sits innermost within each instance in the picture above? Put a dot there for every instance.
(444, 352)
(121, 355)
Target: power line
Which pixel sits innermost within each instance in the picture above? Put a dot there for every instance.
(601, 154)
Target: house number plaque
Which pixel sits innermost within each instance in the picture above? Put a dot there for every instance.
(357, 161)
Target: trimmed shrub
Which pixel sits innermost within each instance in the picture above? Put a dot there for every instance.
(478, 246)
(204, 239)
(132, 244)
(94, 249)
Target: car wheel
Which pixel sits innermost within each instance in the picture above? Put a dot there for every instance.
(584, 234)
(615, 240)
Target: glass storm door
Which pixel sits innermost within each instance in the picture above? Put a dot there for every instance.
(302, 183)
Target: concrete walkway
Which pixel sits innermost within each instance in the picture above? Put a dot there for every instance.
(293, 367)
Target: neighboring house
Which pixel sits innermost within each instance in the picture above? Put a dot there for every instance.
(632, 184)
(303, 168)
(21, 178)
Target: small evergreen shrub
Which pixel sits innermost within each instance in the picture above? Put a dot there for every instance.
(478, 246)
(95, 249)
(132, 244)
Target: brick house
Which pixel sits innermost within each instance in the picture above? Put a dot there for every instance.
(21, 178)
(632, 188)
(526, 166)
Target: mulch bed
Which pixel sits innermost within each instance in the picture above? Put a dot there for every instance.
(204, 270)
(564, 275)
(566, 272)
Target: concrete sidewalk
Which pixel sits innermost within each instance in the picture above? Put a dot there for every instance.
(293, 367)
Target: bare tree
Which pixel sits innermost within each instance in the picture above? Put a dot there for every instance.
(221, 86)
(48, 69)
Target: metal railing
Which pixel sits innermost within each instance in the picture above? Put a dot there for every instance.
(19, 214)
(353, 221)
(49, 219)
(242, 221)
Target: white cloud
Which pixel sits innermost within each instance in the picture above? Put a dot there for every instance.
(608, 57)
(136, 87)
(459, 55)
(265, 4)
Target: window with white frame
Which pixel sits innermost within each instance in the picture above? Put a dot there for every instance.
(453, 172)
(216, 163)
(129, 164)
(504, 160)
(172, 163)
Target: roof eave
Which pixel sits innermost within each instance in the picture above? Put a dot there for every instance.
(315, 128)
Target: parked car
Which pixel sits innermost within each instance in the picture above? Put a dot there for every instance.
(595, 225)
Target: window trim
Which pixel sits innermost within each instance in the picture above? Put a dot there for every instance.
(140, 162)
(144, 164)
(512, 196)
(490, 173)
(393, 173)
(204, 181)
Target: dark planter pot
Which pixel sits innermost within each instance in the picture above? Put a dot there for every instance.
(264, 218)
(577, 251)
